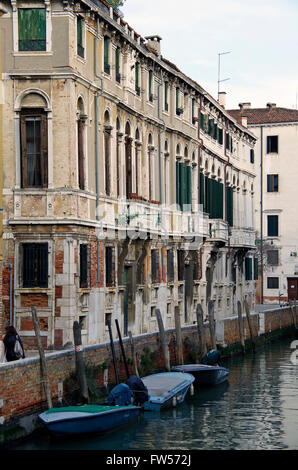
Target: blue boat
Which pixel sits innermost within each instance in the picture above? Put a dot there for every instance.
(87, 419)
(204, 374)
(166, 389)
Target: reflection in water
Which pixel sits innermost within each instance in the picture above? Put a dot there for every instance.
(256, 409)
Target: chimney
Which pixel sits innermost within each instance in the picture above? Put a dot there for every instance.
(222, 98)
(154, 43)
(243, 106)
(271, 105)
(244, 121)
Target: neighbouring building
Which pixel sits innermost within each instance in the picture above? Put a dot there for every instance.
(275, 192)
(126, 186)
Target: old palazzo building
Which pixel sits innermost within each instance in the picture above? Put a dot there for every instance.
(126, 185)
(275, 190)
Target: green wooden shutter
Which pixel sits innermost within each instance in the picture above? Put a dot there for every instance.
(227, 141)
(189, 185)
(137, 74)
(183, 183)
(248, 269)
(256, 269)
(272, 225)
(202, 121)
(166, 95)
(220, 136)
(106, 51)
(230, 206)
(202, 190)
(178, 183)
(32, 29)
(117, 60)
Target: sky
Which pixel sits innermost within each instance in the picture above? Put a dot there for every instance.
(261, 37)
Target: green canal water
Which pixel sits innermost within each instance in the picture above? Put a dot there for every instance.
(256, 410)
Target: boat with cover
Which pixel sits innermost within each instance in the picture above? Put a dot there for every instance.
(204, 374)
(87, 418)
(166, 389)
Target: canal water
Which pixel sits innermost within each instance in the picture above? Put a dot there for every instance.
(256, 410)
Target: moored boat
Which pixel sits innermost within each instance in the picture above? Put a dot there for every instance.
(204, 374)
(87, 419)
(166, 389)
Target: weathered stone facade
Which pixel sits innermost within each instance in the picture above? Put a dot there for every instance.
(126, 185)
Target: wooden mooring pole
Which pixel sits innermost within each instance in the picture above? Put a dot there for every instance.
(178, 336)
(212, 323)
(44, 373)
(122, 348)
(293, 313)
(80, 365)
(250, 325)
(201, 331)
(133, 355)
(240, 323)
(113, 353)
(163, 339)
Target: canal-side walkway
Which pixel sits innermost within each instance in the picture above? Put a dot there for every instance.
(21, 389)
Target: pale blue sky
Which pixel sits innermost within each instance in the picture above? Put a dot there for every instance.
(262, 36)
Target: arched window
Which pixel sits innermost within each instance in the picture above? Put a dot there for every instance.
(107, 150)
(118, 155)
(34, 141)
(128, 162)
(81, 145)
(150, 166)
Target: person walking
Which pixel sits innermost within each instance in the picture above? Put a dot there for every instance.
(14, 349)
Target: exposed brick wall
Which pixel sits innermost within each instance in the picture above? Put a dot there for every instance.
(34, 300)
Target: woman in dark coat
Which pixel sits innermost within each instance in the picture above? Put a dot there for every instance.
(9, 342)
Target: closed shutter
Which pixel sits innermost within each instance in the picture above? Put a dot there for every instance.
(106, 51)
(189, 185)
(248, 269)
(177, 183)
(28, 265)
(252, 156)
(202, 121)
(256, 269)
(110, 267)
(220, 136)
(202, 190)
(227, 141)
(81, 154)
(155, 266)
(230, 205)
(137, 74)
(32, 29)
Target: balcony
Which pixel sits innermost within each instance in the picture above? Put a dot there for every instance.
(242, 237)
(218, 231)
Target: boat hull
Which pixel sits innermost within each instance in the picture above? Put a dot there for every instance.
(205, 375)
(71, 423)
(173, 394)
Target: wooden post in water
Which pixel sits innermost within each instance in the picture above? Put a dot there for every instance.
(133, 355)
(178, 336)
(201, 331)
(113, 353)
(250, 325)
(240, 322)
(44, 373)
(80, 365)
(122, 348)
(163, 339)
(212, 323)
(292, 312)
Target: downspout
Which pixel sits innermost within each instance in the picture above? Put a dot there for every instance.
(10, 296)
(261, 220)
(97, 95)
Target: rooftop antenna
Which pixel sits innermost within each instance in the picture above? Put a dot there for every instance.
(219, 80)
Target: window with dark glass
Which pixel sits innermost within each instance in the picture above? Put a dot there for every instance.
(166, 96)
(155, 266)
(34, 148)
(170, 265)
(107, 67)
(110, 266)
(248, 269)
(272, 183)
(273, 257)
(272, 283)
(35, 264)
(252, 156)
(80, 48)
(84, 265)
(137, 84)
(180, 264)
(272, 221)
(32, 29)
(117, 65)
(272, 144)
(150, 86)
(81, 156)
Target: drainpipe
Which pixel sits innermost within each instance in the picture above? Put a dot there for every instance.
(261, 221)
(97, 95)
